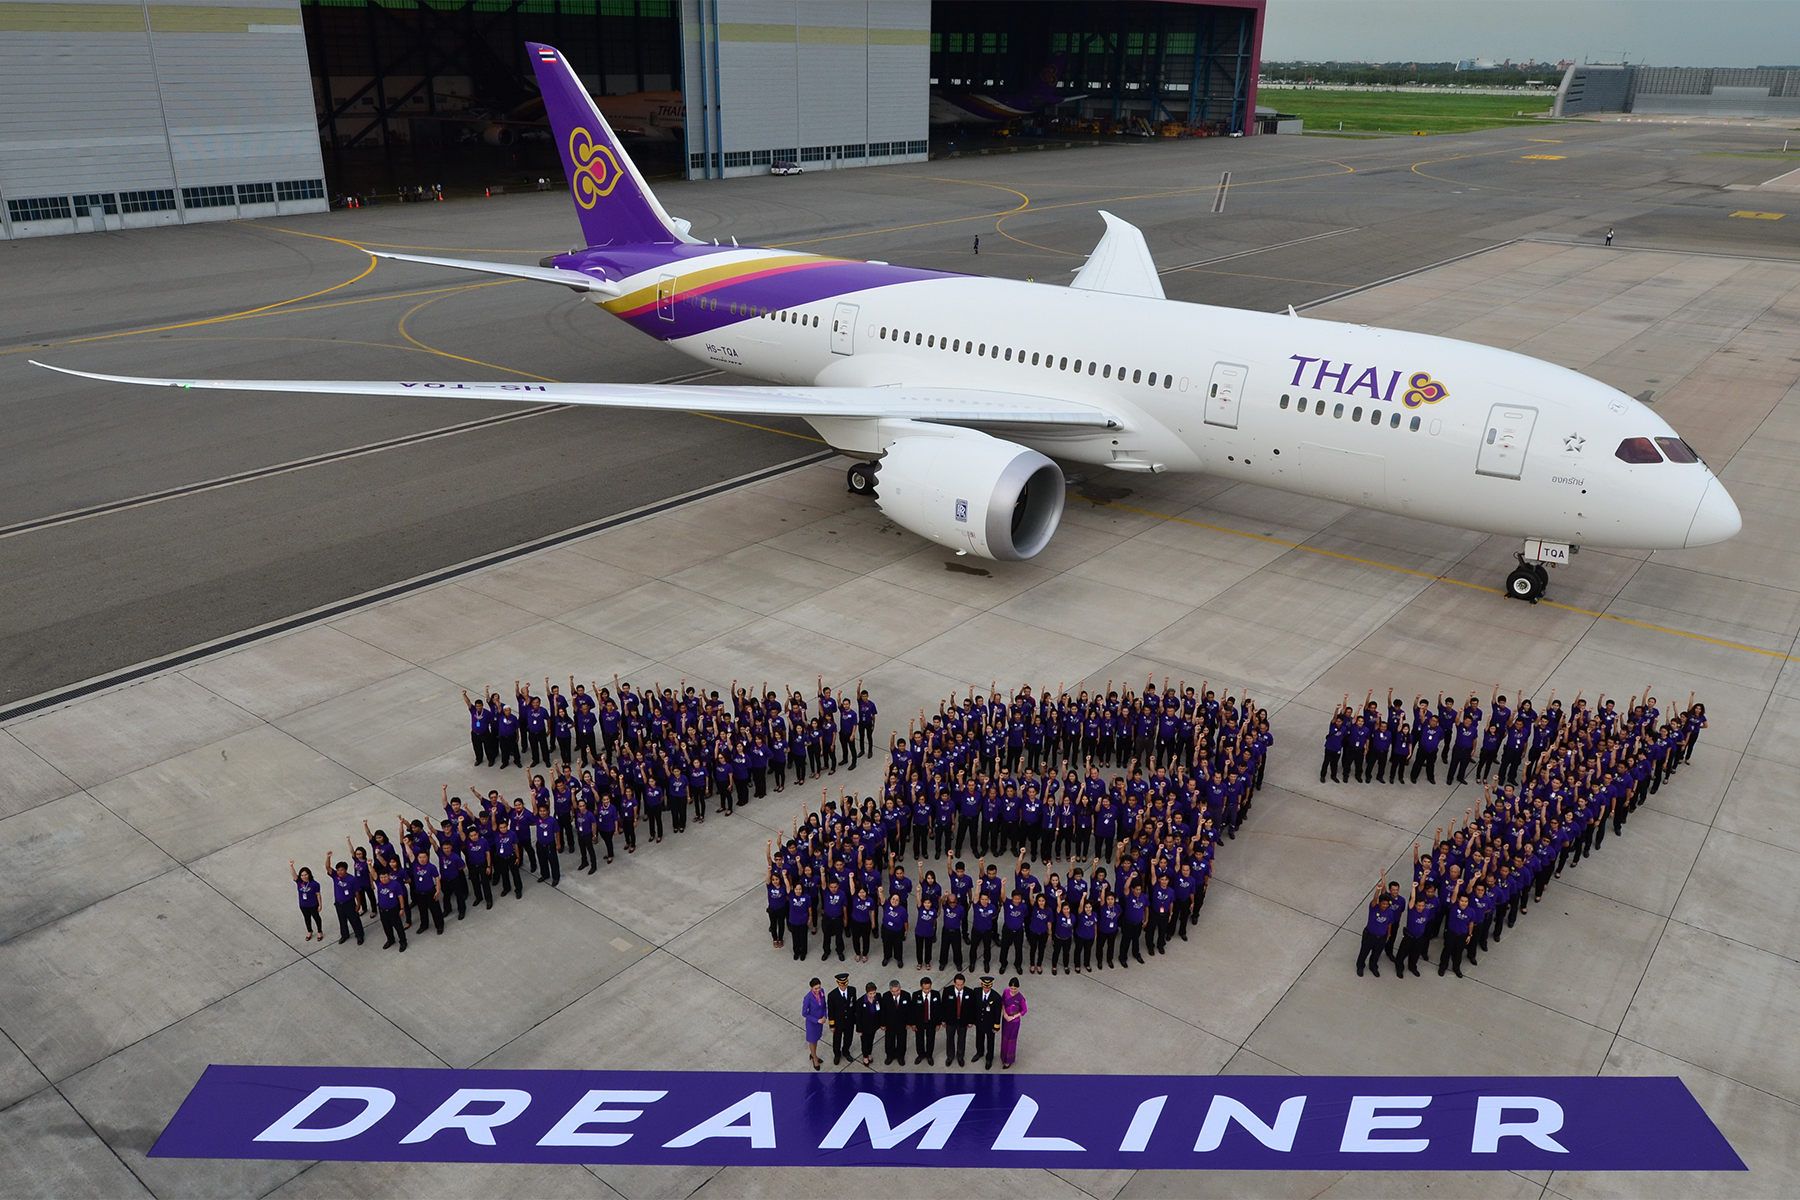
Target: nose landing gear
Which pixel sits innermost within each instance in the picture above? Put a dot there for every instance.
(1528, 581)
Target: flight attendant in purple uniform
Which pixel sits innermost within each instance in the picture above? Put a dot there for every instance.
(1012, 1013)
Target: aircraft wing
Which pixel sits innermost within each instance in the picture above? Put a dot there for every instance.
(569, 279)
(923, 403)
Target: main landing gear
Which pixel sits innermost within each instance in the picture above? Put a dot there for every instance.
(861, 478)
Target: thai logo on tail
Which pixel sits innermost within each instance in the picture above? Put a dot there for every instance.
(596, 170)
(1423, 389)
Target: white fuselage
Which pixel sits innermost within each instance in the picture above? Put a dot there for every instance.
(1492, 440)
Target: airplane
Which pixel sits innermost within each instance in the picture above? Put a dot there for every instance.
(973, 108)
(959, 394)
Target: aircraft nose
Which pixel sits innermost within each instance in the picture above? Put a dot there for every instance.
(1716, 518)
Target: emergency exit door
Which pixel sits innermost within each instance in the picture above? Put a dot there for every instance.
(843, 329)
(1225, 393)
(1505, 440)
(665, 297)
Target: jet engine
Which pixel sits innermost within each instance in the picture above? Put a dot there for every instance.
(973, 493)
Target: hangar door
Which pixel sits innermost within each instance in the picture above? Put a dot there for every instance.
(1505, 440)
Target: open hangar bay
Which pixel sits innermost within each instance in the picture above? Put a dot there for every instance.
(145, 827)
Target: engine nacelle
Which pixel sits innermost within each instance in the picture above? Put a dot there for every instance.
(972, 493)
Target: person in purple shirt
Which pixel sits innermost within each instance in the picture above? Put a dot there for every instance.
(345, 892)
(1430, 738)
(308, 889)
(452, 878)
(1334, 748)
(1136, 912)
(425, 893)
(481, 731)
(549, 840)
(893, 930)
(1457, 921)
(1462, 752)
(1413, 936)
(506, 858)
(390, 902)
(799, 918)
(1375, 930)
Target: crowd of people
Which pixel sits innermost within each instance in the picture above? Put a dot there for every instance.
(1133, 791)
(1554, 784)
(615, 765)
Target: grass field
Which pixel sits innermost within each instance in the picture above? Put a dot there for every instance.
(1403, 112)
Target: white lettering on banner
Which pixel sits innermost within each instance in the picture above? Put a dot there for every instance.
(1143, 1124)
(1016, 1134)
(1225, 1109)
(1547, 1118)
(478, 1127)
(587, 1111)
(754, 1108)
(868, 1109)
(1365, 1118)
(377, 1103)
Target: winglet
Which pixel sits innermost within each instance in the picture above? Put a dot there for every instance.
(1291, 311)
(1121, 263)
(613, 203)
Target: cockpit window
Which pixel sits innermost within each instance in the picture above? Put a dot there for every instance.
(1677, 450)
(1637, 450)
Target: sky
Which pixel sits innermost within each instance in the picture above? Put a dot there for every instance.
(1664, 33)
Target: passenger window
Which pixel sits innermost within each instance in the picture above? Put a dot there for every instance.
(1415, 425)
(1151, 380)
(1064, 365)
(1168, 382)
(981, 352)
(1107, 374)
(1394, 421)
(1092, 365)
(1319, 408)
(884, 333)
(1637, 450)
(1009, 354)
(1374, 416)
(1357, 415)
(1284, 402)
(1677, 450)
(1137, 376)
(1337, 413)
(1034, 358)
(956, 346)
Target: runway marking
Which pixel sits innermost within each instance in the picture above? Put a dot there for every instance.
(301, 464)
(330, 612)
(392, 246)
(1437, 578)
(1218, 204)
(1760, 216)
(99, 337)
(1204, 262)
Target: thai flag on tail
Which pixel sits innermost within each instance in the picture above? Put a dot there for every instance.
(546, 54)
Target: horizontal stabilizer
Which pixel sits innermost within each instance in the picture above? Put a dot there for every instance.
(568, 279)
(954, 405)
(1121, 263)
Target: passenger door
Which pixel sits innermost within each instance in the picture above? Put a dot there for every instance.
(1225, 393)
(843, 329)
(665, 297)
(1505, 440)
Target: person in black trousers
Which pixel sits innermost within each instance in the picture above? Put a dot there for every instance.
(927, 1014)
(390, 901)
(987, 1022)
(344, 892)
(895, 1011)
(840, 1011)
(959, 1013)
(868, 1021)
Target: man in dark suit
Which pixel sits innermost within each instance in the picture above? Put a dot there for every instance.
(840, 1011)
(987, 1021)
(958, 1003)
(896, 1009)
(927, 1015)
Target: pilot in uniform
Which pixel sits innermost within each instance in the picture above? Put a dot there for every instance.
(840, 1011)
(987, 1022)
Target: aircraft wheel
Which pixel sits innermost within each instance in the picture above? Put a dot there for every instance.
(1525, 584)
(1543, 577)
(861, 479)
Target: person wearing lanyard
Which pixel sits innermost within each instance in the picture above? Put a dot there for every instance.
(345, 895)
(308, 889)
(390, 902)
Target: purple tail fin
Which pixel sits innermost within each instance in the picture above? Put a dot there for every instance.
(1042, 93)
(612, 202)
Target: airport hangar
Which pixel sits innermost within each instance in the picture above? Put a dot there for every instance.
(278, 598)
(127, 116)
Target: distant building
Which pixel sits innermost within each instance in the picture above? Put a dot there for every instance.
(1690, 91)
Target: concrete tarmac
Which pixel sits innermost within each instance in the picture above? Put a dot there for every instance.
(145, 831)
(1304, 218)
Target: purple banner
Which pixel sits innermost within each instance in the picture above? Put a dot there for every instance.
(1252, 1122)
